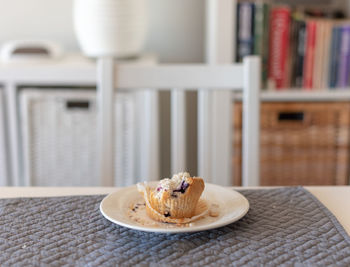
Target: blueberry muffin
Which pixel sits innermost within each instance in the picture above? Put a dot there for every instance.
(173, 200)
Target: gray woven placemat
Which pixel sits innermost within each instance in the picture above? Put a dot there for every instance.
(283, 227)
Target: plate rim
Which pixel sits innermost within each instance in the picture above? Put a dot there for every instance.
(175, 230)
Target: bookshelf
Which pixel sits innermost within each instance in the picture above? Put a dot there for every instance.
(292, 95)
(222, 22)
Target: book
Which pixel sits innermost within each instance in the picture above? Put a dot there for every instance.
(334, 56)
(318, 55)
(297, 50)
(344, 57)
(258, 28)
(261, 33)
(326, 53)
(292, 50)
(279, 47)
(245, 29)
(309, 54)
(300, 54)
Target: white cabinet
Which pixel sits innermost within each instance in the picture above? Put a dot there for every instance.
(59, 137)
(3, 143)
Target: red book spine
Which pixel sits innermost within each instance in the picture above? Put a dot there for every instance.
(309, 54)
(279, 46)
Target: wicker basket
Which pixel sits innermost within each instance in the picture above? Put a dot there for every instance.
(60, 142)
(301, 143)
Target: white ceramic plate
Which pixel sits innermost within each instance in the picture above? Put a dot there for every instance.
(117, 207)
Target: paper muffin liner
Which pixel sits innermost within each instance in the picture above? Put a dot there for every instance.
(178, 208)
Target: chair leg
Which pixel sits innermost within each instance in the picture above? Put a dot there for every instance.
(222, 138)
(178, 131)
(251, 127)
(105, 91)
(204, 135)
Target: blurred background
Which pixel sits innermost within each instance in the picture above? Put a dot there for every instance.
(176, 30)
(48, 97)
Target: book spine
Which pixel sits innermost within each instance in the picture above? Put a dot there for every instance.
(322, 60)
(258, 28)
(300, 54)
(334, 56)
(309, 54)
(279, 47)
(347, 64)
(292, 50)
(343, 66)
(245, 27)
(261, 36)
(318, 55)
(265, 48)
(326, 56)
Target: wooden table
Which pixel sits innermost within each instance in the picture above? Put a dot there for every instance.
(335, 198)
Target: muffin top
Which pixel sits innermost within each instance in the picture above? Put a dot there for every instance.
(176, 185)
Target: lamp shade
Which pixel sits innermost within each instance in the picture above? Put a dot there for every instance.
(115, 28)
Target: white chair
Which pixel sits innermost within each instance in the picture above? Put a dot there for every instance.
(243, 77)
(3, 144)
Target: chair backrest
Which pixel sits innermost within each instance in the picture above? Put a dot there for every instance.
(214, 83)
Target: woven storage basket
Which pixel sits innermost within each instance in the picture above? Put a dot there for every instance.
(301, 143)
(60, 137)
(3, 157)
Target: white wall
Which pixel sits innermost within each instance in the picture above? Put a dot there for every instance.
(176, 31)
